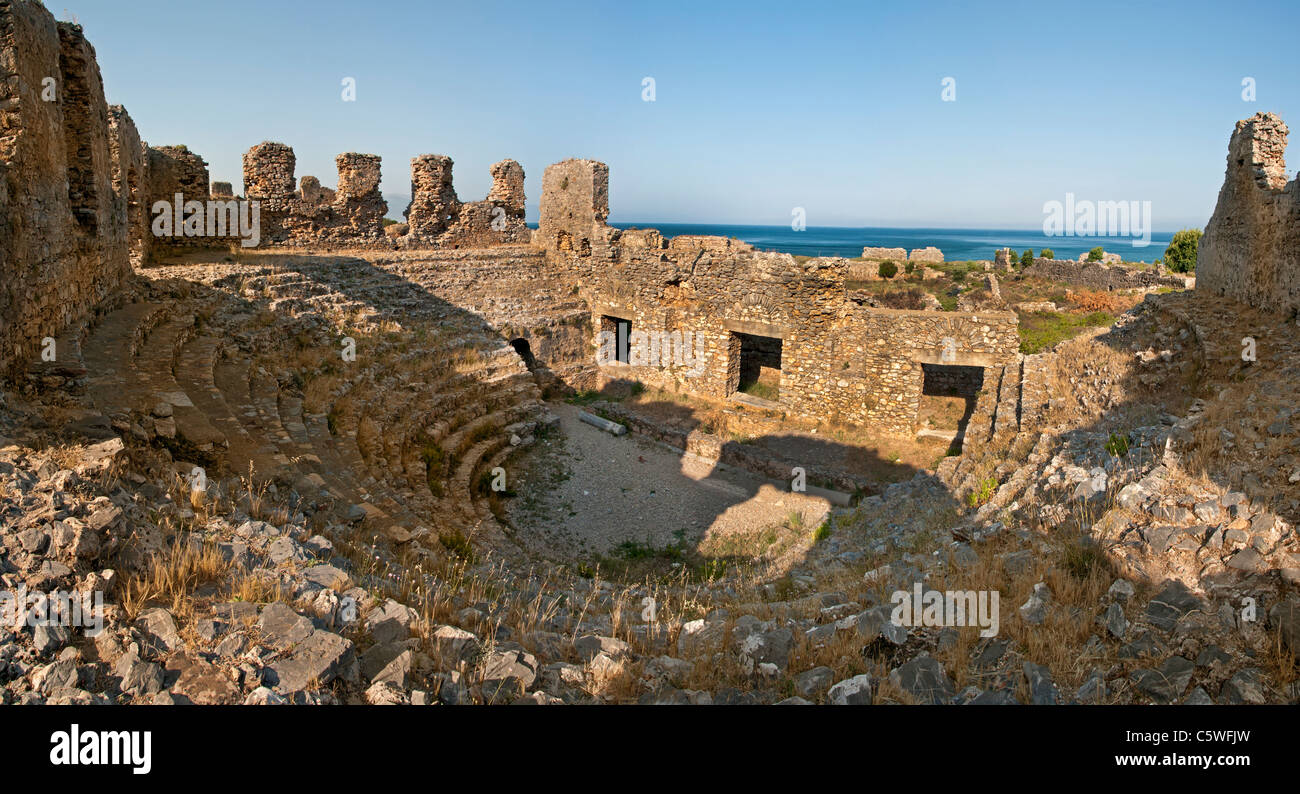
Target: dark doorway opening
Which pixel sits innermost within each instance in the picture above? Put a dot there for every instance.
(621, 331)
(755, 366)
(948, 396)
(525, 352)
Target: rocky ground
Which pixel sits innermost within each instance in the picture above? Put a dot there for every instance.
(1134, 562)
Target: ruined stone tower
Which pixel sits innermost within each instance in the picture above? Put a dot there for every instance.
(1251, 248)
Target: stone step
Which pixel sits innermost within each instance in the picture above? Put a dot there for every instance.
(108, 354)
(196, 374)
(156, 384)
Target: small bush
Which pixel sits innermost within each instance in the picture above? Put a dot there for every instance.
(455, 542)
(1047, 253)
(983, 492)
(1095, 254)
(1027, 258)
(1117, 445)
(887, 269)
(1180, 256)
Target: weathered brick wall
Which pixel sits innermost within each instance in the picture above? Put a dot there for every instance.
(1251, 247)
(63, 239)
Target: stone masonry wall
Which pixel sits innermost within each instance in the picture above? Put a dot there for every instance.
(63, 235)
(1100, 276)
(574, 207)
(839, 361)
(436, 217)
(130, 178)
(173, 170)
(1251, 248)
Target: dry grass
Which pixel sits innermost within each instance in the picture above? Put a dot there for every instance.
(172, 577)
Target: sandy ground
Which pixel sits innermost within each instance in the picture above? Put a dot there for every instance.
(587, 491)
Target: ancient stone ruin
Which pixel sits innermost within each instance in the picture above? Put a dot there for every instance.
(732, 313)
(1251, 248)
(305, 441)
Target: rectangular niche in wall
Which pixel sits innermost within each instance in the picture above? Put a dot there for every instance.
(754, 366)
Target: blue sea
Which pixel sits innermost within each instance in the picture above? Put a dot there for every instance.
(957, 244)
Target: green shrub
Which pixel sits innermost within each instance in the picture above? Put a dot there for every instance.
(983, 492)
(1047, 253)
(1117, 445)
(1095, 254)
(1180, 256)
(1027, 258)
(887, 269)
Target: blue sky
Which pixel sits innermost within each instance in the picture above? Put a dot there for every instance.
(759, 107)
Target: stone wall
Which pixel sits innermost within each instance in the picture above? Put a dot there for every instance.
(927, 254)
(574, 207)
(130, 157)
(173, 170)
(437, 218)
(1251, 247)
(883, 254)
(703, 309)
(1102, 277)
(63, 239)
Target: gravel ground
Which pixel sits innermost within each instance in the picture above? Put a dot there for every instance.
(586, 491)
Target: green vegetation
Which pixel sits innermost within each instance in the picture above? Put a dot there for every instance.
(1042, 330)
(455, 542)
(1027, 258)
(763, 391)
(1047, 253)
(1095, 254)
(1180, 256)
(1117, 445)
(887, 269)
(983, 492)
(822, 532)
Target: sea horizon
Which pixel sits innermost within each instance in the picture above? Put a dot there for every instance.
(957, 244)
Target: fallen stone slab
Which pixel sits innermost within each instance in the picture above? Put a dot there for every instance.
(317, 660)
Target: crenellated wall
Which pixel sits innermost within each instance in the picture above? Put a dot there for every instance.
(1251, 248)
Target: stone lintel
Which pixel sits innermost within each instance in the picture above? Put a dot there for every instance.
(754, 328)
